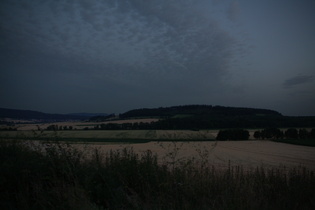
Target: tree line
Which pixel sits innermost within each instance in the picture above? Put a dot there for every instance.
(225, 134)
(188, 122)
(267, 133)
(58, 128)
(233, 134)
(290, 133)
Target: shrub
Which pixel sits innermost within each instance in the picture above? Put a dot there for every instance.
(233, 134)
(271, 133)
(291, 133)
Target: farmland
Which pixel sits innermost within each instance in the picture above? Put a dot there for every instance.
(187, 144)
(248, 154)
(156, 175)
(83, 165)
(112, 135)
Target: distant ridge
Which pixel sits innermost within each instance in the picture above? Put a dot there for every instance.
(215, 117)
(35, 115)
(179, 117)
(88, 114)
(198, 110)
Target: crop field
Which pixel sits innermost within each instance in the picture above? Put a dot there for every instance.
(182, 145)
(109, 170)
(112, 135)
(222, 154)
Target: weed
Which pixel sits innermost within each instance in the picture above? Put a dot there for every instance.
(203, 153)
(55, 175)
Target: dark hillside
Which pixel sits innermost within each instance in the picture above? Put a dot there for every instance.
(30, 115)
(214, 117)
(198, 110)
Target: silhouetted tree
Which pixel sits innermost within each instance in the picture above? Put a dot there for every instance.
(257, 135)
(271, 133)
(291, 133)
(52, 127)
(233, 134)
(223, 135)
(303, 134)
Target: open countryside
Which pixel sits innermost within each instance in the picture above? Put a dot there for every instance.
(221, 154)
(153, 105)
(187, 144)
(159, 159)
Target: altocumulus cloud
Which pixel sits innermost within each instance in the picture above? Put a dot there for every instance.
(125, 41)
(233, 10)
(298, 80)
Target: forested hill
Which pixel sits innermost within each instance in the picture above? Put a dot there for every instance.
(29, 115)
(207, 117)
(194, 110)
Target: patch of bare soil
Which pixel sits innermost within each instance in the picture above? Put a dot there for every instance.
(249, 154)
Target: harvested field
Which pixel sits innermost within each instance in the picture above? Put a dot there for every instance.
(249, 154)
(80, 124)
(66, 177)
(115, 135)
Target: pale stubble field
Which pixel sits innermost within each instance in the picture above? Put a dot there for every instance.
(222, 154)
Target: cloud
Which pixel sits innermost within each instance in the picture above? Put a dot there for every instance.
(233, 10)
(298, 80)
(128, 41)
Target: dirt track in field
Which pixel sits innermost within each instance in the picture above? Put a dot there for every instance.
(248, 154)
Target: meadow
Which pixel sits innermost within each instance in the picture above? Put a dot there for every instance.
(54, 175)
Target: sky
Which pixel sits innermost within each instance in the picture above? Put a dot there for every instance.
(111, 56)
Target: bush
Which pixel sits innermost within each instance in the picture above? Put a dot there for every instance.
(271, 133)
(32, 180)
(291, 133)
(233, 134)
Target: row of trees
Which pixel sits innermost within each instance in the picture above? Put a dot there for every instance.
(291, 133)
(124, 126)
(56, 128)
(233, 134)
(267, 133)
(206, 121)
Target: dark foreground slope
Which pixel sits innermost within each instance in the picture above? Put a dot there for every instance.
(63, 177)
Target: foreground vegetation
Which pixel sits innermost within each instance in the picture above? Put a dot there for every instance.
(58, 176)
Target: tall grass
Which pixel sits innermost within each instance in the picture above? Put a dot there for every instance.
(58, 176)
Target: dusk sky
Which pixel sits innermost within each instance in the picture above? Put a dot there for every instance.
(111, 56)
